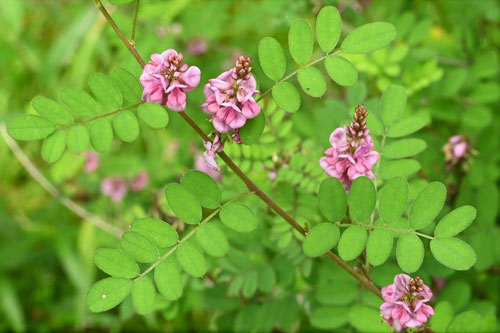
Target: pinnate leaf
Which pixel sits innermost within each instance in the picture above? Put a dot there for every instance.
(301, 41)
(312, 81)
(107, 293)
(139, 247)
(79, 101)
(454, 253)
(77, 138)
(272, 58)
(410, 252)
(52, 110)
(352, 242)
(184, 203)
(427, 205)
(144, 295)
(341, 70)
(455, 221)
(116, 263)
(168, 280)
(361, 199)
(154, 115)
(30, 127)
(393, 199)
(105, 90)
(53, 146)
(332, 199)
(191, 260)
(238, 217)
(160, 232)
(369, 37)
(320, 239)
(286, 96)
(328, 28)
(126, 126)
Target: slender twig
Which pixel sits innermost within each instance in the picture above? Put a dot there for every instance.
(49, 187)
(368, 226)
(250, 185)
(102, 116)
(134, 22)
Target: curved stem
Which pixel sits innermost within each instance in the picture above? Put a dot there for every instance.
(134, 22)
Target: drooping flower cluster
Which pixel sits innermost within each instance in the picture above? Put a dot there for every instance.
(405, 302)
(351, 154)
(166, 80)
(210, 155)
(117, 187)
(230, 97)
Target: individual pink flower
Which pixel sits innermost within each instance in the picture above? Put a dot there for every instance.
(210, 155)
(197, 46)
(351, 155)
(201, 164)
(230, 97)
(457, 149)
(140, 181)
(115, 188)
(404, 302)
(166, 80)
(91, 162)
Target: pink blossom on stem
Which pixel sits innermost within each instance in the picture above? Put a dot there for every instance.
(457, 148)
(166, 80)
(91, 162)
(140, 181)
(404, 302)
(210, 155)
(202, 165)
(115, 188)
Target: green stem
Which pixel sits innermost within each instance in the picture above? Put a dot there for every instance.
(134, 22)
(101, 116)
(385, 226)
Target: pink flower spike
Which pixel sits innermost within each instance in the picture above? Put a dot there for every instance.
(115, 188)
(140, 181)
(91, 162)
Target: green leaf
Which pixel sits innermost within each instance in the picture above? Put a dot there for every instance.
(329, 317)
(77, 138)
(251, 132)
(393, 104)
(408, 125)
(361, 199)
(286, 96)
(53, 146)
(52, 110)
(267, 279)
(272, 58)
(393, 199)
(367, 319)
(154, 115)
(301, 41)
(79, 101)
(369, 37)
(238, 217)
(410, 252)
(352, 242)
(139, 247)
(455, 221)
(404, 148)
(168, 280)
(328, 28)
(312, 81)
(341, 70)
(105, 90)
(160, 232)
(400, 168)
(101, 135)
(144, 296)
(320, 239)
(184, 203)
(443, 314)
(454, 253)
(341, 292)
(128, 84)
(427, 205)
(204, 187)
(379, 246)
(332, 199)
(30, 127)
(191, 260)
(120, 2)
(126, 126)
(468, 321)
(116, 263)
(213, 240)
(250, 284)
(107, 293)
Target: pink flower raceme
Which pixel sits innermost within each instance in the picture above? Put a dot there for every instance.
(114, 187)
(210, 155)
(351, 154)
(405, 302)
(140, 181)
(91, 161)
(457, 149)
(166, 80)
(230, 97)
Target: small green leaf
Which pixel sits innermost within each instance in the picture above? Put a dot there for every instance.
(408, 125)
(399, 168)
(128, 84)
(238, 217)
(341, 70)
(329, 317)
(286, 96)
(213, 240)
(272, 58)
(301, 41)
(154, 115)
(160, 232)
(404, 148)
(139, 247)
(367, 319)
(144, 296)
(30, 127)
(455, 221)
(120, 2)
(107, 293)
(332, 199)
(379, 246)
(184, 203)
(352, 242)
(468, 321)
(116, 263)
(79, 101)
(393, 199)
(410, 252)
(52, 110)
(77, 138)
(53, 146)
(168, 280)
(105, 90)
(427, 205)
(328, 28)
(443, 314)
(251, 132)
(204, 187)
(312, 81)
(320, 239)
(454, 253)
(101, 135)
(250, 283)
(126, 126)
(369, 37)
(361, 199)
(191, 260)
(393, 104)
(267, 279)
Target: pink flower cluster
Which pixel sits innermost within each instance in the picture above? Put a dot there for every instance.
(230, 97)
(405, 302)
(458, 146)
(117, 187)
(166, 80)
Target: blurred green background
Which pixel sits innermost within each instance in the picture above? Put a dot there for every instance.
(446, 54)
